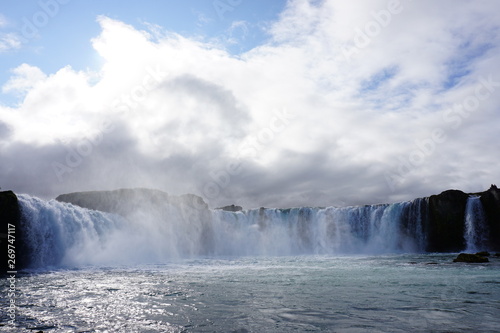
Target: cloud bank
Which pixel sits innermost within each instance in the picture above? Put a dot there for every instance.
(346, 103)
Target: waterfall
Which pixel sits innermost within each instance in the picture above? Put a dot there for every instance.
(61, 234)
(476, 229)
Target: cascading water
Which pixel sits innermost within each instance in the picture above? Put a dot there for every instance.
(348, 230)
(59, 234)
(476, 229)
(63, 234)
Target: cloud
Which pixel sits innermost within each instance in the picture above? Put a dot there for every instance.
(5, 131)
(9, 41)
(237, 31)
(24, 79)
(346, 103)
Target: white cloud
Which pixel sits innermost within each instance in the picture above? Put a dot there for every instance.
(184, 110)
(24, 79)
(9, 41)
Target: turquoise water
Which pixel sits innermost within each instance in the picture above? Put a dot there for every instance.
(394, 293)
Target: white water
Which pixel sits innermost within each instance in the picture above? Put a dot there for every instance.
(61, 234)
(475, 227)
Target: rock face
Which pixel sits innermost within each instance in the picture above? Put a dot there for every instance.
(9, 214)
(470, 258)
(231, 208)
(128, 201)
(446, 221)
(491, 204)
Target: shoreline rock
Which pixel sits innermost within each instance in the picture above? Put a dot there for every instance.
(470, 258)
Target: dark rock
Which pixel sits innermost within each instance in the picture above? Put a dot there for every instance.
(491, 204)
(497, 254)
(9, 214)
(446, 221)
(470, 258)
(231, 208)
(483, 254)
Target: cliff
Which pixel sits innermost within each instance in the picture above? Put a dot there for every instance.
(491, 204)
(9, 215)
(446, 221)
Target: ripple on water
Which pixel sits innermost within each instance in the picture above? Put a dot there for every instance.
(385, 294)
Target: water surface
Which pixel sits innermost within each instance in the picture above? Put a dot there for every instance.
(390, 293)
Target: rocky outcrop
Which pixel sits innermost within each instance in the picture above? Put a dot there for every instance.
(231, 208)
(446, 221)
(491, 204)
(9, 214)
(470, 258)
(127, 201)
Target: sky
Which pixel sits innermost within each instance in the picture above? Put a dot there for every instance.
(257, 103)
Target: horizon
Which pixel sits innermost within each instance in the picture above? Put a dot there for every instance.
(235, 203)
(284, 104)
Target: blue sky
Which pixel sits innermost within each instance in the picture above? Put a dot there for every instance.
(64, 38)
(258, 103)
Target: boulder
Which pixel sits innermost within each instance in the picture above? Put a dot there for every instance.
(470, 258)
(483, 254)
